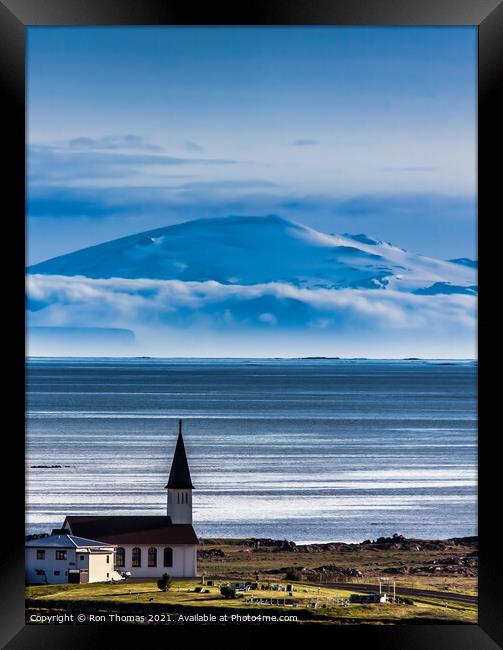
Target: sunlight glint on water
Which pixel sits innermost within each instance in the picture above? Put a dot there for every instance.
(308, 450)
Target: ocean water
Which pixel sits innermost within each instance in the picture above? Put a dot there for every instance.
(305, 450)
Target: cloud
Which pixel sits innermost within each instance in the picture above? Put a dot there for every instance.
(50, 164)
(424, 168)
(192, 199)
(117, 302)
(112, 142)
(304, 142)
(192, 146)
(419, 223)
(70, 203)
(266, 317)
(234, 185)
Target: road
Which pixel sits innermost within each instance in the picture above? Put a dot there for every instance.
(402, 591)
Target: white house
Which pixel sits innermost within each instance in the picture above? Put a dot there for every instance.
(65, 558)
(146, 545)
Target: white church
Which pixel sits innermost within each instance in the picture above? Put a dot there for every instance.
(146, 546)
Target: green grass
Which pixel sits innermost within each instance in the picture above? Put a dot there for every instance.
(182, 592)
(182, 595)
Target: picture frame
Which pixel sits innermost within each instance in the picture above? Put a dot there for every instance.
(15, 16)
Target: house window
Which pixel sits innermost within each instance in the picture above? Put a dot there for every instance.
(120, 557)
(152, 556)
(56, 573)
(168, 557)
(136, 557)
(108, 559)
(60, 555)
(40, 554)
(81, 558)
(40, 572)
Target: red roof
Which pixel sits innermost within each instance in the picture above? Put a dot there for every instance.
(137, 529)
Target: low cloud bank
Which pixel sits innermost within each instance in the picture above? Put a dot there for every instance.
(154, 307)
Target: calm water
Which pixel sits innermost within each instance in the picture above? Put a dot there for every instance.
(311, 450)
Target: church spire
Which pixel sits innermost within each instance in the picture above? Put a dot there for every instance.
(179, 476)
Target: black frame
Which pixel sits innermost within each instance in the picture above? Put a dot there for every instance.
(15, 15)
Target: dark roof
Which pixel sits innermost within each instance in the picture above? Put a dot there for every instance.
(137, 529)
(179, 477)
(65, 541)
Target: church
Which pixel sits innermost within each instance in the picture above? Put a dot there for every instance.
(148, 546)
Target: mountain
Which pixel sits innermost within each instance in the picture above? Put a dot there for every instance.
(261, 250)
(466, 261)
(251, 286)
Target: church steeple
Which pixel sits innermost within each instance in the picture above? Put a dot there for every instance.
(179, 476)
(179, 485)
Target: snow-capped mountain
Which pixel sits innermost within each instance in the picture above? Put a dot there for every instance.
(253, 286)
(261, 250)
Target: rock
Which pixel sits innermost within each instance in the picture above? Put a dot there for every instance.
(337, 570)
(210, 553)
(396, 570)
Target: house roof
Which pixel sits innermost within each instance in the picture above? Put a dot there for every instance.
(65, 541)
(137, 529)
(179, 476)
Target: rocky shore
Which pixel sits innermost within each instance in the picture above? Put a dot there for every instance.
(339, 561)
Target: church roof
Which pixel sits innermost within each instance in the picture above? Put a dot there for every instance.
(132, 529)
(179, 476)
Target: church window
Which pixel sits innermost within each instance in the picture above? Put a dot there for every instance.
(40, 554)
(136, 556)
(120, 557)
(168, 557)
(152, 556)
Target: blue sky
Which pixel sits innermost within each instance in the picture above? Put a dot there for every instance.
(344, 129)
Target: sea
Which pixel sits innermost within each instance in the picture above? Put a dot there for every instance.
(309, 450)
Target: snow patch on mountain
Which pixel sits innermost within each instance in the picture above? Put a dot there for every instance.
(260, 250)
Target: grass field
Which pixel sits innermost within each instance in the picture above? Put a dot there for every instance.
(145, 596)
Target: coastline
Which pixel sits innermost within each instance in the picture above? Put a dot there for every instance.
(425, 582)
